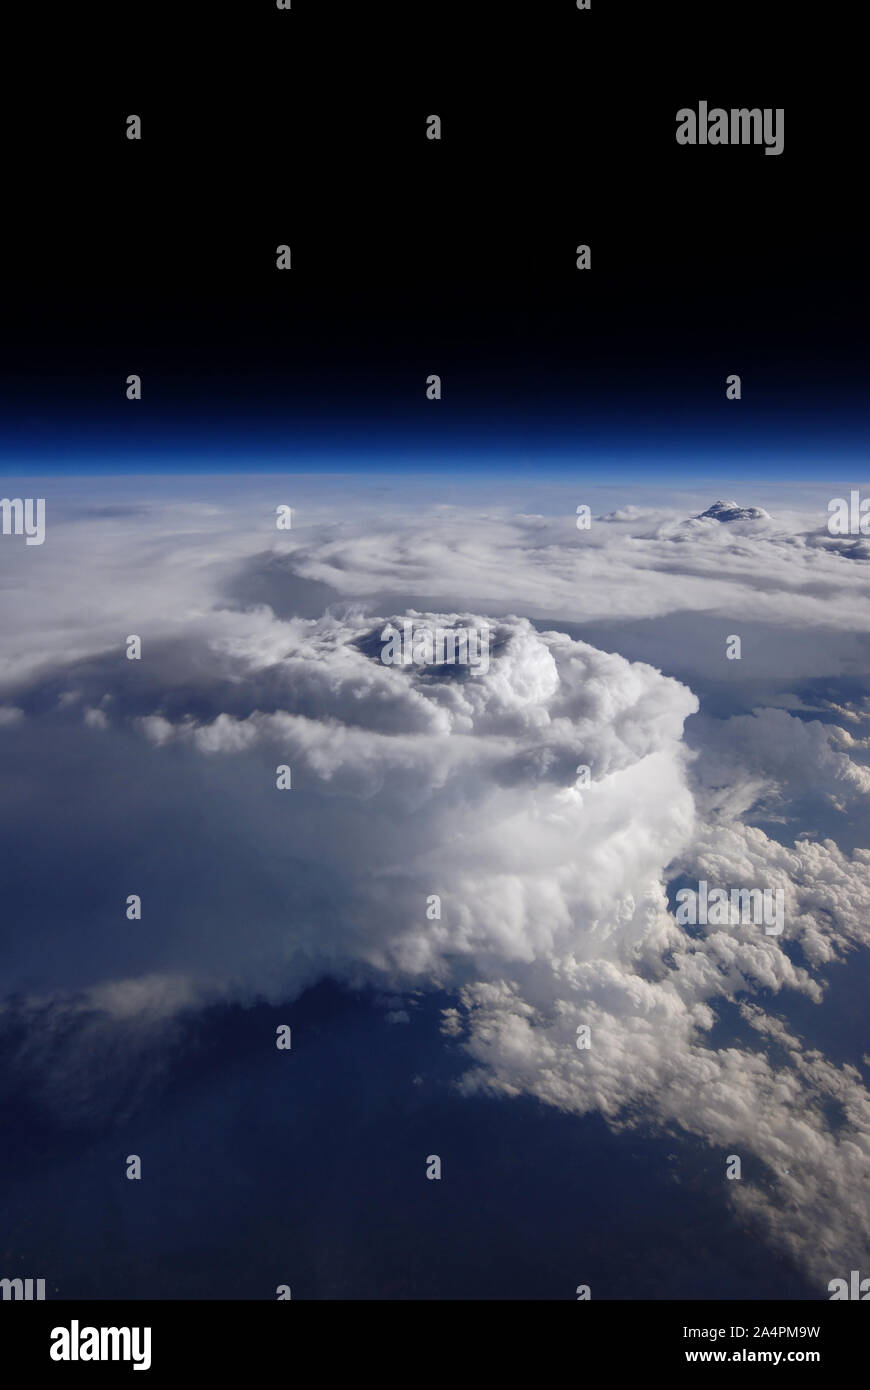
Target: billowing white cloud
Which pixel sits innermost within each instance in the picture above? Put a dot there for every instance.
(525, 860)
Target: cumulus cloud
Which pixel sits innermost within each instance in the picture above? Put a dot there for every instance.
(414, 783)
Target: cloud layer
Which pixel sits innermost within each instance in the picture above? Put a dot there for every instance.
(411, 784)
